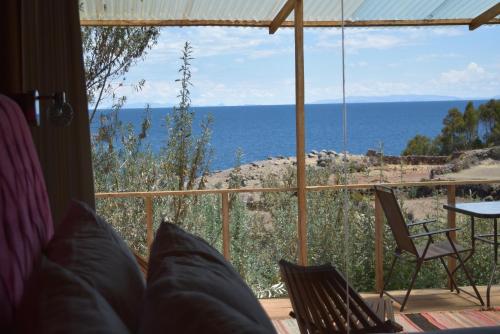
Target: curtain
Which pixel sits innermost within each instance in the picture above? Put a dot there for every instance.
(47, 46)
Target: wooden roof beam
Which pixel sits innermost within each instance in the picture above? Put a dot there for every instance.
(287, 24)
(281, 16)
(485, 17)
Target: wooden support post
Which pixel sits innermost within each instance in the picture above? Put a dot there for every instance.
(148, 201)
(452, 263)
(281, 16)
(379, 245)
(226, 240)
(300, 131)
(485, 17)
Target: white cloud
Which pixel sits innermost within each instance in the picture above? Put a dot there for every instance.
(410, 51)
(358, 39)
(382, 38)
(473, 80)
(210, 92)
(447, 31)
(158, 92)
(472, 73)
(210, 41)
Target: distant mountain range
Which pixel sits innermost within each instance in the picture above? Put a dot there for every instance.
(400, 98)
(351, 99)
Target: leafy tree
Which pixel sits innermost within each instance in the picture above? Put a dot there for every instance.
(452, 136)
(471, 121)
(108, 53)
(124, 161)
(187, 156)
(461, 131)
(489, 116)
(420, 145)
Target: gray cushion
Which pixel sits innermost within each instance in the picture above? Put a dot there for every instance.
(193, 289)
(58, 301)
(88, 247)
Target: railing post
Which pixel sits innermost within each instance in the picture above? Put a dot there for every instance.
(226, 242)
(452, 263)
(300, 131)
(148, 201)
(379, 246)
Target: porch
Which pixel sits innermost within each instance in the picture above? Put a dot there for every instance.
(422, 300)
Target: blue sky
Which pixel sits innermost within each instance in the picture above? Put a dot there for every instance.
(238, 66)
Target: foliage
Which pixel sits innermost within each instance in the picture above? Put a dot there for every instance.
(187, 156)
(108, 53)
(489, 115)
(420, 145)
(124, 161)
(461, 131)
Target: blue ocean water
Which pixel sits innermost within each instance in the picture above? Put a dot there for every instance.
(262, 131)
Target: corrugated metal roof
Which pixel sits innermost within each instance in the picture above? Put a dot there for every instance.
(261, 12)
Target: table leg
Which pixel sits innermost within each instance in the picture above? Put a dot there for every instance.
(495, 262)
(495, 242)
(493, 271)
(473, 247)
(472, 233)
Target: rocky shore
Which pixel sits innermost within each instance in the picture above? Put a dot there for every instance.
(374, 168)
(371, 167)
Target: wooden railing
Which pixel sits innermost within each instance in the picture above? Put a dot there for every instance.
(225, 214)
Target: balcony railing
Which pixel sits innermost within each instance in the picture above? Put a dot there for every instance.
(225, 211)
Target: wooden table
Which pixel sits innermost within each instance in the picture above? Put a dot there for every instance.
(489, 210)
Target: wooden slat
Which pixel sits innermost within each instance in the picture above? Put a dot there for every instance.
(148, 201)
(287, 24)
(226, 237)
(281, 16)
(327, 307)
(379, 245)
(485, 17)
(451, 218)
(300, 131)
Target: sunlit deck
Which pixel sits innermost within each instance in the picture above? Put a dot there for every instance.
(421, 300)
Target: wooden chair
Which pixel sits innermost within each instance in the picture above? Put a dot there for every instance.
(430, 251)
(320, 304)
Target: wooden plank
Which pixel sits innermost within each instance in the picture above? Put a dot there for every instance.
(292, 189)
(451, 218)
(485, 17)
(281, 16)
(422, 300)
(226, 237)
(379, 246)
(286, 24)
(300, 131)
(148, 201)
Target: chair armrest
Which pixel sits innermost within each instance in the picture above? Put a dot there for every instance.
(422, 222)
(427, 234)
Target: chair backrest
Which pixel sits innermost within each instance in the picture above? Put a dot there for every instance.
(319, 300)
(395, 219)
(25, 217)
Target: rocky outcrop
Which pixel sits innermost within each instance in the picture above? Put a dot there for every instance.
(407, 160)
(467, 159)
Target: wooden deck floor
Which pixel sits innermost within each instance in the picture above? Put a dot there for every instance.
(423, 300)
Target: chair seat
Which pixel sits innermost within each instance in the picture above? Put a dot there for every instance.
(438, 249)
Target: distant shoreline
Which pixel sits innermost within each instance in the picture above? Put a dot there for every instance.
(333, 102)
